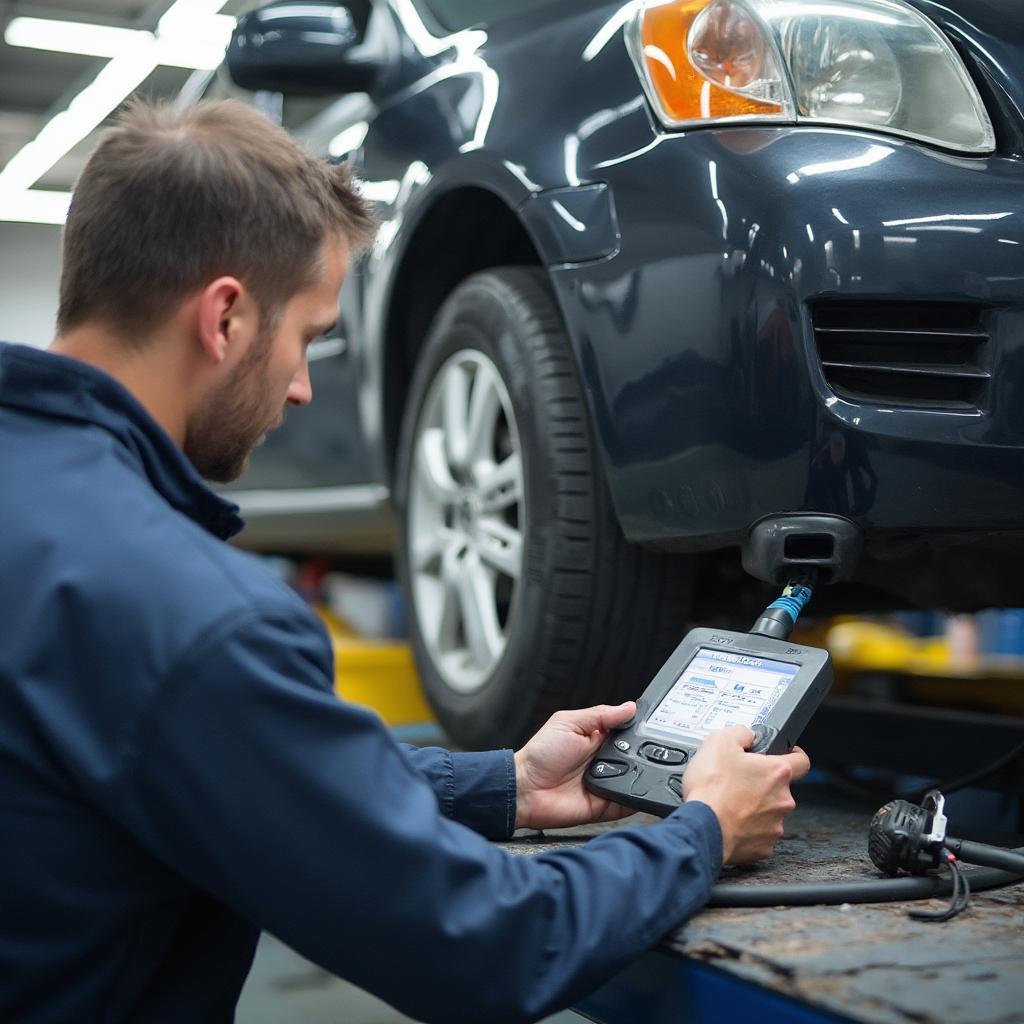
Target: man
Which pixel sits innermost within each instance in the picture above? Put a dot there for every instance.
(175, 771)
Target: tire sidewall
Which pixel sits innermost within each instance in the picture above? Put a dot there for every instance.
(483, 314)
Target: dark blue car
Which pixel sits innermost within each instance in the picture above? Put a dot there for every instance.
(663, 292)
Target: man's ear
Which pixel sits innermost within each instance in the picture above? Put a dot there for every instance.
(225, 315)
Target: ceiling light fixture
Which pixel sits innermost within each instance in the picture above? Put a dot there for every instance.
(35, 206)
(190, 34)
(201, 48)
(72, 37)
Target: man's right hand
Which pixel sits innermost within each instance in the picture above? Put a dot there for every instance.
(749, 793)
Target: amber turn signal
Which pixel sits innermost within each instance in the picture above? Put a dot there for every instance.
(709, 60)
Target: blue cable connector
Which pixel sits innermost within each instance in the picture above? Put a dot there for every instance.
(779, 618)
(793, 600)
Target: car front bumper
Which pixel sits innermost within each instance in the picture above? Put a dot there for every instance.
(698, 347)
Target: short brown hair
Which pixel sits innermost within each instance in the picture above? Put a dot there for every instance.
(173, 198)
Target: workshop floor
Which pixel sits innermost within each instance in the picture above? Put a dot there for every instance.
(285, 987)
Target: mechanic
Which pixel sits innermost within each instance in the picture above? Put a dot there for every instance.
(175, 770)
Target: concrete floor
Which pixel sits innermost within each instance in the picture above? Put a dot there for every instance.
(285, 987)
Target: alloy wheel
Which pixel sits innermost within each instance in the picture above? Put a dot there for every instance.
(466, 520)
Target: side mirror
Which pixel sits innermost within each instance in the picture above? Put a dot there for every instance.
(302, 48)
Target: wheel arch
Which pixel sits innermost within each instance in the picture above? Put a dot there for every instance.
(467, 229)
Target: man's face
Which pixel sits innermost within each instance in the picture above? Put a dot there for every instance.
(240, 410)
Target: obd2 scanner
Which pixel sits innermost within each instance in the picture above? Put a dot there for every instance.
(715, 678)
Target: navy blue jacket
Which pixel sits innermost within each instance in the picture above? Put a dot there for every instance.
(176, 773)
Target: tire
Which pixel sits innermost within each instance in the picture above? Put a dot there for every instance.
(523, 598)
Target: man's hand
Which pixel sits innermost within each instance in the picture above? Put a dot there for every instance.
(749, 793)
(549, 769)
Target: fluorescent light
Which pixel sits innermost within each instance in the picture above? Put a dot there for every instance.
(178, 42)
(181, 17)
(121, 77)
(72, 37)
(195, 40)
(200, 48)
(34, 206)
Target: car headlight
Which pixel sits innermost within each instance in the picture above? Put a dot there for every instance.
(875, 64)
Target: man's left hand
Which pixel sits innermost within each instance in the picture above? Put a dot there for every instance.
(549, 769)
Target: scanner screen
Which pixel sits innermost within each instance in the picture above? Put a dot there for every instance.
(720, 688)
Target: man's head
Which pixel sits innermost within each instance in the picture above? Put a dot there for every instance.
(211, 230)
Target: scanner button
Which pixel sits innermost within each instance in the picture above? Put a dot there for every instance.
(662, 755)
(675, 783)
(622, 745)
(763, 738)
(607, 769)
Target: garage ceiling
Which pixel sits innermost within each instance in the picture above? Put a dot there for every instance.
(36, 85)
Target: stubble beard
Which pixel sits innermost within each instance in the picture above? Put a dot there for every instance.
(234, 418)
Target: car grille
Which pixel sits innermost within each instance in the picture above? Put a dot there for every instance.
(926, 355)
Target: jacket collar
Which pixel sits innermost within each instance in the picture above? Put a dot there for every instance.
(56, 386)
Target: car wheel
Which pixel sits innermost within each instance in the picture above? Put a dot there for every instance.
(524, 596)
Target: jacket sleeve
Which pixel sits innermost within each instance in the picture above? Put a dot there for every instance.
(253, 781)
(476, 790)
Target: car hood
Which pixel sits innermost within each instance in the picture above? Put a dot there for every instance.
(990, 35)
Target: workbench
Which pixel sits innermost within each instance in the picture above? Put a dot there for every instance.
(865, 963)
